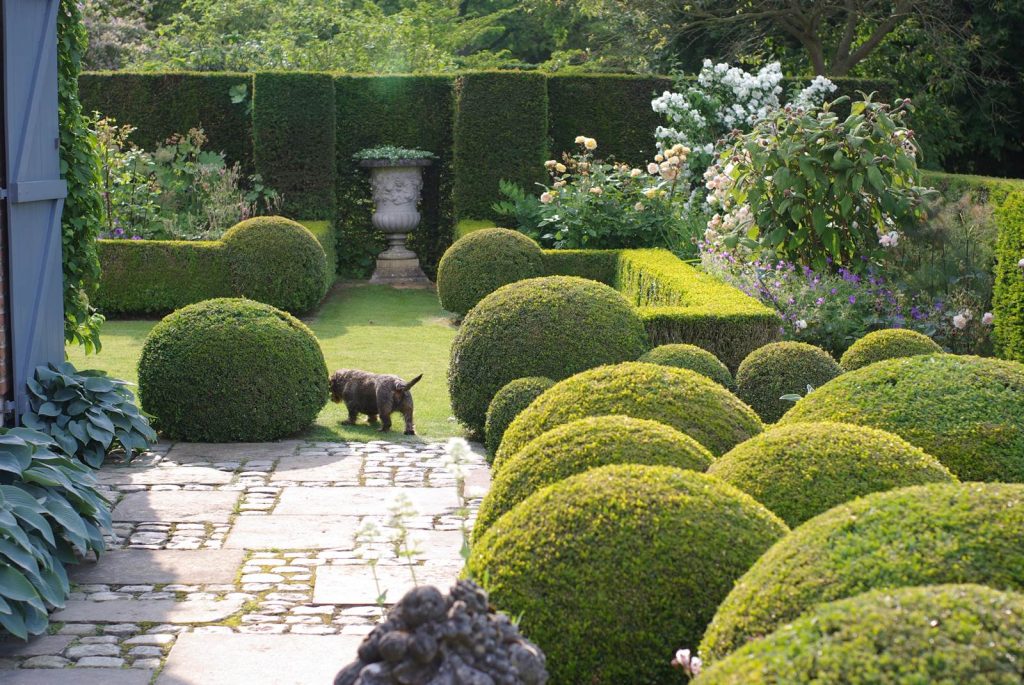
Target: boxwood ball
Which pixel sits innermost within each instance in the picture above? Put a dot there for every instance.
(613, 569)
(967, 412)
(552, 327)
(479, 263)
(680, 398)
(931, 634)
(580, 446)
(921, 535)
(231, 370)
(887, 344)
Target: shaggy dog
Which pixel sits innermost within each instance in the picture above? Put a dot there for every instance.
(374, 394)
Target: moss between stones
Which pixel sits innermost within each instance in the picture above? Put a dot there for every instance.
(680, 398)
(683, 356)
(230, 370)
(967, 412)
(922, 535)
(887, 344)
(506, 406)
(935, 634)
(483, 261)
(614, 568)
(800, 470)
(582, 445)
(553, 327)
(783, 368)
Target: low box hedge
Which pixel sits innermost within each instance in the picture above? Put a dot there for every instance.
(156, 277)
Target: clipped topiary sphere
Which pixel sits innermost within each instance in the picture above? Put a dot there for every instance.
(582, 445)
(923, 535)
(783, 368)
(679, 398)
(506, 405)
(935, 634)
(230, 370)
(277, 261)
(967, 412)
(690, 357)
(888, 344)
(479, 263)
(552, 327)
(614, 568)
(801, 470)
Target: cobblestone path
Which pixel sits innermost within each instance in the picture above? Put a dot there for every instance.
(251, 563)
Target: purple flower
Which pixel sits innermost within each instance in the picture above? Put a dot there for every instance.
(136, 237)
(820, 301)
(833, 291)
(916, 313)
(853, 299)
(118, 231)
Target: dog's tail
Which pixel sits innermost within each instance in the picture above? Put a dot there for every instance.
(414, 381)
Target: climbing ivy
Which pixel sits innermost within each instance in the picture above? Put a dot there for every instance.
(80, 166)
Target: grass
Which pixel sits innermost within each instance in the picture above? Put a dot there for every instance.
(377, 328)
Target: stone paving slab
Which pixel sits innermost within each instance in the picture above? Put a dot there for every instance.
(178, 506)
(179, 475)
(355, 501)
(78, 676)
(318, 468)
(144, 567)
(355, 585)
(36, 646)
(147, 610)
(293, 532)
(186, 452)
(257, 659)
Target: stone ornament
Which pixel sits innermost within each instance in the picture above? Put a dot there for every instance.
(396, 186)
(433, 639)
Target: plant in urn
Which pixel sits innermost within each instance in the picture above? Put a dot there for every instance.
(396, 176)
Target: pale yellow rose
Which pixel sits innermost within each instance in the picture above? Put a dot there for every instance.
(590, 144)
(635, 172)
(580, 140)
(652, 168)
(650, 193)
(597, 190)
(560, 168)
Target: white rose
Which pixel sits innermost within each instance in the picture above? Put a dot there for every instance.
(652, 168)
(547, 198)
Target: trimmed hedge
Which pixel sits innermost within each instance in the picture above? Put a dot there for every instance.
(614, 568)
(582, 445)
(680, 304)
(159, 276)
(294, 133)
(779, 369)
(933, 634)
(159, 105)
(680, 398)
(614, 109)
(501, 131)
(323, 231)
(801, 470)
(276, 261)
(923, 535)
(968, 412)
(483, 261)
(406, 111)
(1008, 296)
(683, 356)
(177, 273)
(508, 402)
(597, 265)
(231, 370)
(553, 327)
(889, 343)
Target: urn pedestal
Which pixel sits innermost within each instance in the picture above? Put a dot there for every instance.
(396, 187)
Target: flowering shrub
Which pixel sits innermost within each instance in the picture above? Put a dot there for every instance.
(722, 100)
(807, 187)
(598, 204)
(178, 192)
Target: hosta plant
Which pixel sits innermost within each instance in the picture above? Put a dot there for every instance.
(50, 515)
(807, 186)
(86, 415)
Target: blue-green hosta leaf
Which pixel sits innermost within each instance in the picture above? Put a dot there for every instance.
(36, 620)
(100, 419)
(100, 435)
(14, 585)
(66, 516)
(54, 589)
(43, 474)
(49, 409)
(14, 622)
(32, 437)
(93, 455)
(98, 384)
(12, 462)
(46, 375)
(35, 389)
(78, 429)
(66, 395)
(19, 557)
(33, 421)
(78, 407)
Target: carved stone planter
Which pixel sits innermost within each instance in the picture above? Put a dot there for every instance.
(396, 187)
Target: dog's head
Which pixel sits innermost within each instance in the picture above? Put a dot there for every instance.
(401, 392)
(337, 383)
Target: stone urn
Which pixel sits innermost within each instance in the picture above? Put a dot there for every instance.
(396, 187)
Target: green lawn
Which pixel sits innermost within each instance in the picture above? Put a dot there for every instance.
(377, 328)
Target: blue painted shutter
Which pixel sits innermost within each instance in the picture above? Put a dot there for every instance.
(35, 191)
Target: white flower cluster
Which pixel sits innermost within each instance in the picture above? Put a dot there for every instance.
(814, 94)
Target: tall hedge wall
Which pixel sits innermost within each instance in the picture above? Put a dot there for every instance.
(501, 132)
(294, 133)
(160, 105)
(407, 111)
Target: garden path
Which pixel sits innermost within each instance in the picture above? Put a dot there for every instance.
(251, 563)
